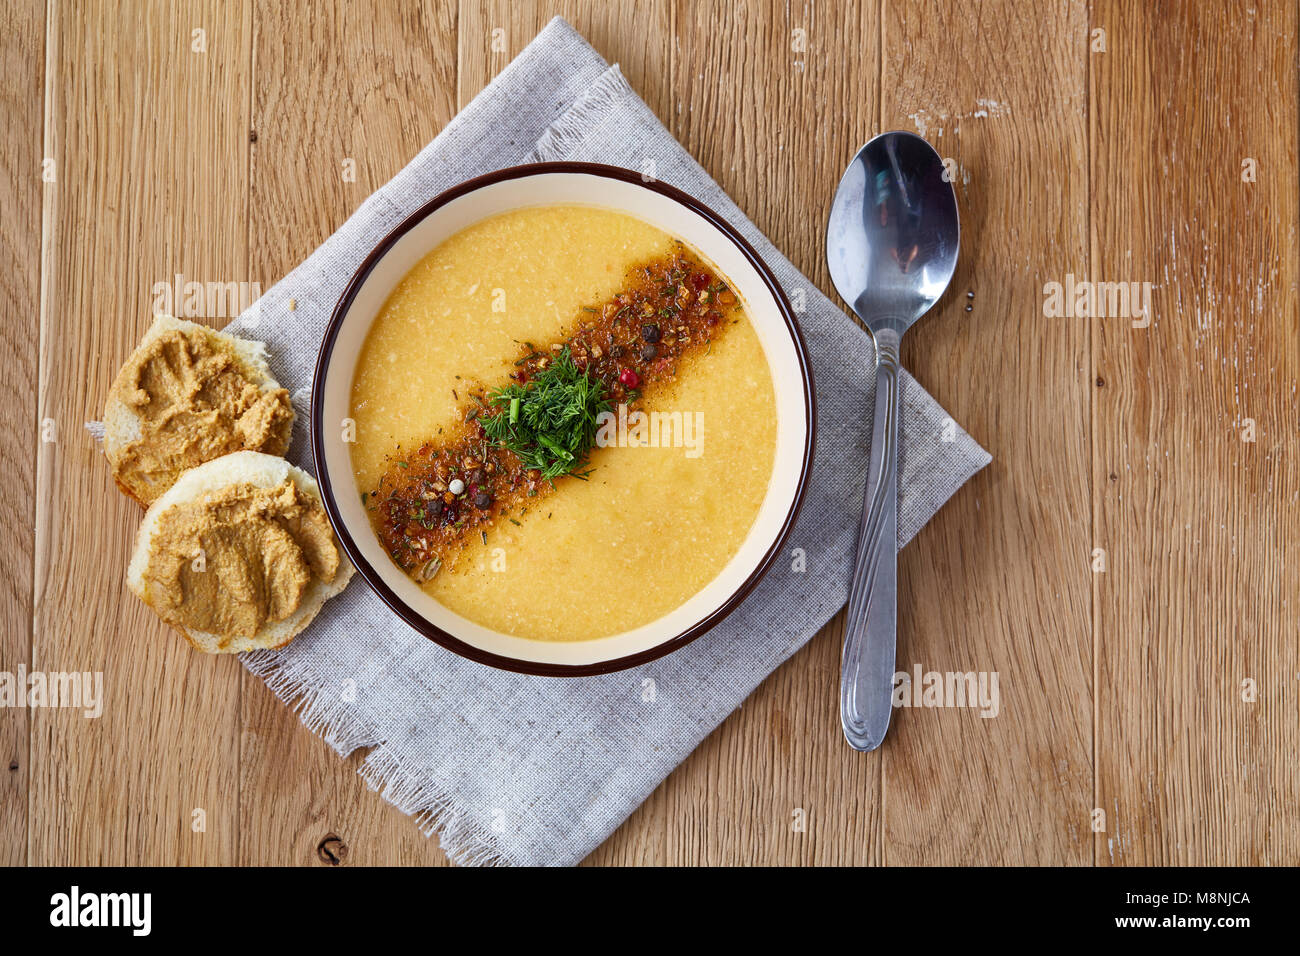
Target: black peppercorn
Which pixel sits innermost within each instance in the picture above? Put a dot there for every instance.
(648, 352)
(482, 501)
(650, 333)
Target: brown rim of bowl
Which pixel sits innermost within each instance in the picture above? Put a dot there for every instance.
(372, 577)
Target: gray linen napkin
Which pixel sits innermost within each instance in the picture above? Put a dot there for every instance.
(539, 771)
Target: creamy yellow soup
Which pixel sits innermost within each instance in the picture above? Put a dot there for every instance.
(655, 522)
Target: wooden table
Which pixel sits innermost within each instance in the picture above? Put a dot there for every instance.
(1149, 710)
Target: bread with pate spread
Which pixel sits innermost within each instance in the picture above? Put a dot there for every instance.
(189, 394)
(238, 554)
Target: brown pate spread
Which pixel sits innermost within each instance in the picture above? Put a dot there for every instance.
(239, 557)
(195, 403)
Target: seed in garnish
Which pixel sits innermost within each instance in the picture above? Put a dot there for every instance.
(482, 501)
(629, 378)
(648, 352)
(650, 333)
(456, 487)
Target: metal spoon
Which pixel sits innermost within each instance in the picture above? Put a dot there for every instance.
(892, 245)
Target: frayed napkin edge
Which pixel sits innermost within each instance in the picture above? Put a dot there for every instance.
(304, 691)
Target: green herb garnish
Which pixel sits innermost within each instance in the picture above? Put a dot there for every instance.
(549, 422)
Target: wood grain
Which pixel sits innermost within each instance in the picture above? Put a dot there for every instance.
(639, 37)
(22, 188)
(1120, 690)
(752, 85)
(384, 91)
(999, 581)
(150, 142)
(1200, 524)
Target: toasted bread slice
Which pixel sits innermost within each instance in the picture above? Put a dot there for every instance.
(240, 468)
(196, 419)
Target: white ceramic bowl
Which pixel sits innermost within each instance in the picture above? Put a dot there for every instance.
(671, 211)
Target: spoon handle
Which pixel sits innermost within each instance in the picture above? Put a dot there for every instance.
(867, 665)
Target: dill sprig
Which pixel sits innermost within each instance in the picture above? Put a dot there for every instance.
(550, 421)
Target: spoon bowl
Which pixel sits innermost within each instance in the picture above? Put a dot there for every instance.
(893, 233)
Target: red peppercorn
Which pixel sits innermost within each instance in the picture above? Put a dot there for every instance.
(629, 378)
(699, 281)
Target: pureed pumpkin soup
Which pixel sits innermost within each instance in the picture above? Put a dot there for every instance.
(565, 423)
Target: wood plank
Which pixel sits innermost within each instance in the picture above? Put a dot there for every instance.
(999, 581)
(22, 101)
(764, 101)
(385, 88)
(150, 140)
(733, 800)
(635, 36)
(639, 38)
(1201, 526)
